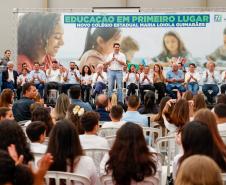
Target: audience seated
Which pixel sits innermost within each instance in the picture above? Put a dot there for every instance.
(6, 113)
(132, 114)
(90, 140)
(9, 77)
(149, 106)
(60, 109)
(42, 114)
(69, 157)
(7, 98)
(175, 79)
(75, 95)
(211, 78)
(194, 170)
(36, 132)
(38, 78)
(193, 144)
(101, 107)
(220, 115)
(129, 161)
(74, 112)
(116, 116)
(12, 133)
(21, 108)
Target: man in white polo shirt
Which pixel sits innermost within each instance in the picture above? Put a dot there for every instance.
(115, 63)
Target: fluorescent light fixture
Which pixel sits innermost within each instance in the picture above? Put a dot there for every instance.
(116, 9)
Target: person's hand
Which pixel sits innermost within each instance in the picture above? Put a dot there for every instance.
(169, 103)
(13, 154)
(174, 80)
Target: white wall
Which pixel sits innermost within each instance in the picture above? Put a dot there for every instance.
(7, 21)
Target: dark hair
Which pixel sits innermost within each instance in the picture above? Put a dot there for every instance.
(131, 66)
(42, 114)
(133, 101)
(3, 111)
(55, 62)
(75, 91)
(129, 157)
(42, 26)
(192, 64)
(89, 120)
(149, 103)
(221, 98)
(91, 39)
(199, 102)
(83, 70)
(187, 95)
(12, 133)
(220, 110)
(7, 51)
(74, 118)
(11, 173)
(194, 144)
(116, 111)
(64, 145)
(6, 98)
(116, 44)
(34, 130)
(26, 87)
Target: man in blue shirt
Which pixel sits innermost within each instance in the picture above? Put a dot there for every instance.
(75, 94)
(175, 79)
(132, 115)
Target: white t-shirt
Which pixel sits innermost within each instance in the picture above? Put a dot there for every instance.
(38, 148)
(112, 124)
(71, 77)
(114, 65)
(99, 79)
(10, 77)
(86, 80)
(145, 81)
(221, 127)
(196, 75)
(85, 167)
(23, 79)
(54, 75)
(93, 141)
(131, 79)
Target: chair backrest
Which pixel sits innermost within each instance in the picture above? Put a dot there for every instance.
(106, 179)
(68, 177)
(97, 155)
(46, 141)
(104, 132)
(223, 136)
(223, 175)
(150, 133)
(111, 140)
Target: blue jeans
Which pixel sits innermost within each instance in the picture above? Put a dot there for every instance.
(171, 86)
(112, 77)
(206, 88)
(193, 87)
(40, 88)
(98, 88)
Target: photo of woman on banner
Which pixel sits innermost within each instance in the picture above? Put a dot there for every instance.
(98, 45)
(220, 53)
(173, 47)
(40, 35)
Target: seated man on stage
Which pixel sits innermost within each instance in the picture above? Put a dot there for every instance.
(53, 78)
(175, 79)
(71, 77)
(99, 80)
(38, 78)
(210, 79)
(146, 82)
(9, 77)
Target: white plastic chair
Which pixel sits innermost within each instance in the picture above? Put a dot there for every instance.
(104, 132)
(97, 155)
(68, 177)
(223, 175)
(111, 140)
(149, 132)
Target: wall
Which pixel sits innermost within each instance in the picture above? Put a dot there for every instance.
(8, 26)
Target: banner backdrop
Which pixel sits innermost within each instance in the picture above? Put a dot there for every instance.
(144, 37)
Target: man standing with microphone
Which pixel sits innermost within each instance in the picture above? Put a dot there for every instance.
(115, 63)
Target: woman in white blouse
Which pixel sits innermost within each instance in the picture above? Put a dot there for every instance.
(86, 81)
(132, 79)
(65, 147)
(130, 162)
